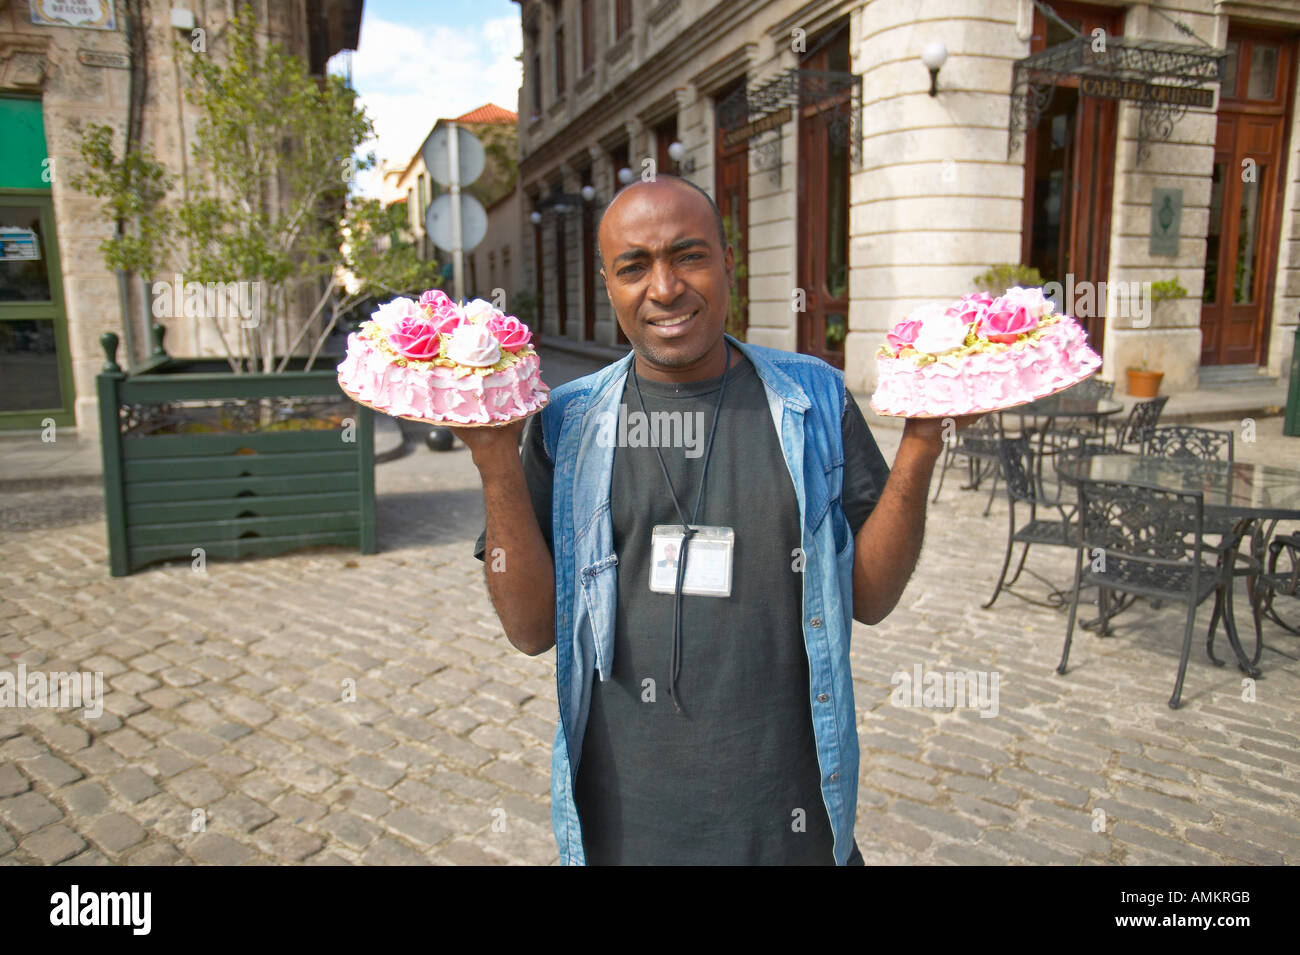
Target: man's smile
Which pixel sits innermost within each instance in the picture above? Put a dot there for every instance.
(673, 325)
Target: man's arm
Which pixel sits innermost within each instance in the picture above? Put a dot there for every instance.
(519, 567)
(887, 546)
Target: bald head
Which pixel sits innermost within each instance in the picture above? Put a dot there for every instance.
(664, 181)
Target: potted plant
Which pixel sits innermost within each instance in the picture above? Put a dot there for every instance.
(258, 451)
(1142, 381)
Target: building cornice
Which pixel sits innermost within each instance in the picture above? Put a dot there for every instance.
(693, 43)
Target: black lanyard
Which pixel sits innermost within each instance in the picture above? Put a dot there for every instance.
(675, 658)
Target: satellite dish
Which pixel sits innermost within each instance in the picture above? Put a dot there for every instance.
(437, 155)
(473, 221)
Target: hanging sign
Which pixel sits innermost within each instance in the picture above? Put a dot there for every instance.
(17, 243)
(1144, 92)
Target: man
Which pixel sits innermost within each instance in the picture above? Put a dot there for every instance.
(713, 723)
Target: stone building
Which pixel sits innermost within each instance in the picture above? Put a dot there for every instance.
(495, 263)
(64, 62)
(1120, 143)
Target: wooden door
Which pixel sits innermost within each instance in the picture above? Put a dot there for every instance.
(1246, 198)
(823, 198)
(731, 187)
(1069, 172)
(561, 274)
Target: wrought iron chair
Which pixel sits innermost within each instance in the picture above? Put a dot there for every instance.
(1281, 578)
(1144, 541)
(978, 444)
(1183, 442)
(1015, 459)
(1142, 417)
(1055, 438)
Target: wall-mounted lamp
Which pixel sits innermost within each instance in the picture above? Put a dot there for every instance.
(535, 217)
(626, 175)
(934, 55)
(676, 150)
(588, 193)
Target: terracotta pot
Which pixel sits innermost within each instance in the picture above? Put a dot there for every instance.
(1144, 384)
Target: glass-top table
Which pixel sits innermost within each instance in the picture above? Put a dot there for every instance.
(1237, 494)
(1065, 405)
(1231, 491)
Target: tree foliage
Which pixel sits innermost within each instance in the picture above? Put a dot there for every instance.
(132, 188)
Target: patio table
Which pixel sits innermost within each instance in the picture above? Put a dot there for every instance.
(1238, 495)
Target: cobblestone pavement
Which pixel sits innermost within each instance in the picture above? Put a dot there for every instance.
(225, 706)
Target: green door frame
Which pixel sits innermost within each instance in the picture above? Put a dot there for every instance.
(53, 309)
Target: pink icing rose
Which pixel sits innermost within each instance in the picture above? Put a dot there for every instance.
(904, 333)
(510, 332)
(971, 308)
(389, 315)
(1006, 325)
(416, 337)
(436, 298)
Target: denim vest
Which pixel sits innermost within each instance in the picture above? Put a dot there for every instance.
(806, 397)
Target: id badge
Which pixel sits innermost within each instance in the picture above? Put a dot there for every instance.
(708, 560)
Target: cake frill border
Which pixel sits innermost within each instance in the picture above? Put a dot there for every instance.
(994, 410)
(448, 422)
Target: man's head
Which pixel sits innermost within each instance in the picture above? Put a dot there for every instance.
(665, 257)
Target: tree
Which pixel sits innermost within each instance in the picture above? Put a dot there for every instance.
(276, 149)
(377, 263)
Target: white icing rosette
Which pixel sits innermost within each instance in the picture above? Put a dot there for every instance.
(478, 311)
(473, 345)
(940, 331)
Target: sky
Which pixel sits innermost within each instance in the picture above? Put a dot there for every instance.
(422, 60)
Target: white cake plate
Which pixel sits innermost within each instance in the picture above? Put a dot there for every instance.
(446, 422)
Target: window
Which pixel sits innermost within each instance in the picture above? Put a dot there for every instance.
(492, 269)
(665, 136)
(424, 196)
(507, 280)
(622, 18)
(588, 35)
(410, 209)
(535, 70)
(559, 61)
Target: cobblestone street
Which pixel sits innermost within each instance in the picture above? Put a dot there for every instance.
(229, 736)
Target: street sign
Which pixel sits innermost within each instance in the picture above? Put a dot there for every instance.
(437, 155)
(473, 221)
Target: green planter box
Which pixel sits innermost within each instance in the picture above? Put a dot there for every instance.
(232, 494)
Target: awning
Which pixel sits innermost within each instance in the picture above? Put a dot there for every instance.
(752, 111)
(1166, 79)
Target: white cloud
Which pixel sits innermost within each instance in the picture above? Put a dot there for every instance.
(409, 77)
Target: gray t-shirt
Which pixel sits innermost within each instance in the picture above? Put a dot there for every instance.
(733, 778)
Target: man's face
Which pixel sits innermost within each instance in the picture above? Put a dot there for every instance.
(667, 276)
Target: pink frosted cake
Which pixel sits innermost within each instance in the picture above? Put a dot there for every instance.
(438, 361)
(979, 354)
